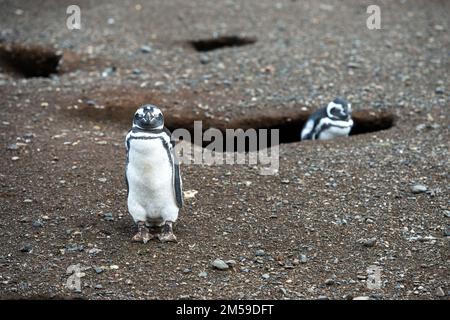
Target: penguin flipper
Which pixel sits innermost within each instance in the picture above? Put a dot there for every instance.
(177, 185)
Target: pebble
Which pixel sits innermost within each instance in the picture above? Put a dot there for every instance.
(204, 59)
(108, 216)
(440, 292)
(113, 267)
(303, 258)
(418, 188)
(329, 282)
(26, 248)
(447, 231)
(203, 274)
(146, 49)
(94, 251)
(353, 65)
(38, 223)
(322, 298)
(73, 247)
(108, 71)
(362, 298)
(13, 147)
(231, 263)
(369, 242)
(219, 264)
(439, 90)
(98, 270)
(260, 253)
(15, 158)
(266, 276)
(98, 286)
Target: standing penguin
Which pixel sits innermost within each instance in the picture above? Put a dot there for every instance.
(152, 175)
(329, 122)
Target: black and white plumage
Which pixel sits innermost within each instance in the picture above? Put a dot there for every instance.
(329, 122)
(152, 175)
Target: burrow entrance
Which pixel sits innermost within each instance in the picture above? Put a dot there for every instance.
(289, 125)
(289, 122)
(215, 43)
(29, 61)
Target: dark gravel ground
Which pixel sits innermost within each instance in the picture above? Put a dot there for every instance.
(335, 208)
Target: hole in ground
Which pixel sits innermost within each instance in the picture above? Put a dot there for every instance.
(29, 61)
(203, 45)
(289, 125)
(290, 122)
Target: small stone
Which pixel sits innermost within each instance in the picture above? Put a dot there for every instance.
(203, 274)
(38, 223)
(94, 251)
(440, 292)
(108, 216)
(361, 298)
(447, 231)
(13, 147)
(329, 282)
(98, 270)
(418, 188)
(266, 276)
(108, 71)
(322, 298)
(186, 270)
(353, 65)
(369, 243)
(73, 247)
(260, 253)
(113, 267)
(204, 59)
(439, 90)
(421, 127)
(26, 248)
(146, 49)
(231, 263)
(219, 264)
(285, 181)
(15, 158)
(303, 258)
(98, 286)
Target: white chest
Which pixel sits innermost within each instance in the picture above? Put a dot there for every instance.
(149, 175)
(334, 132)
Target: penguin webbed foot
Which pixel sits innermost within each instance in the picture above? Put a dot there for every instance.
(167, 234)
(143, 234)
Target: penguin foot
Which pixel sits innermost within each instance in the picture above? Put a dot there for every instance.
(143, 234)
(167, 233)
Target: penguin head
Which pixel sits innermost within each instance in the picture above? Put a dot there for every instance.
(339, 109)
(148, 117)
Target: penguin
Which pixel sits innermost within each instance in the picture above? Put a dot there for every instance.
(154, 187)
(329, 122)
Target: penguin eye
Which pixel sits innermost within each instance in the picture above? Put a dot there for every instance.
(136, 116)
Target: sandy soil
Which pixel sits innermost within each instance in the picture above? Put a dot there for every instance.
(335, 209)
